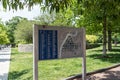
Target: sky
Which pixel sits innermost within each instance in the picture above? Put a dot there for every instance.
(6, 15)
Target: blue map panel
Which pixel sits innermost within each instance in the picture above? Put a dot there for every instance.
(48, 46)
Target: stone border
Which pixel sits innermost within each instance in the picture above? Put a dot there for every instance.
(94, 72)
(25, 48)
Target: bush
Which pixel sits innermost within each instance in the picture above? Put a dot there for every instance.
(91, 38)
(4, 39)
(91, 41)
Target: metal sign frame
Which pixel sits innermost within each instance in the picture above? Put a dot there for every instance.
(36, 29)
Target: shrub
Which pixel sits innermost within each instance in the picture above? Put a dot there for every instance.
(91, 41)
(4, 39)
(91, 38)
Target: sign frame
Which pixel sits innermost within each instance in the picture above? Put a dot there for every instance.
(36, 49)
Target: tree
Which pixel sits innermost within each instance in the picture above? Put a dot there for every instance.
(97, 15)
(64, 18)
(49, 4)
(61, 18)
(3, 36)
(99, 10)
(11, 27)
(46, 18)
(113, 26)
(24, 31)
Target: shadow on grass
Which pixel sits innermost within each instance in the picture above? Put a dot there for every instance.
(112, 58)
(15, 53)
(115, 50)
(15, 75)
(91, 46)
(117, 46)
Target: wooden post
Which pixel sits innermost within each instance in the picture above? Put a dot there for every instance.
(84, 56)
(35, 53)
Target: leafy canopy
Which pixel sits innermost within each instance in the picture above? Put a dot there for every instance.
(24, 30)
(49, 4)
(11, 27)
(3, 36)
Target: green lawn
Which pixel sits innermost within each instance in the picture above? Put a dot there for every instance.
(21, 65)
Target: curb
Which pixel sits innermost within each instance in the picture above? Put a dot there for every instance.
(94, 72)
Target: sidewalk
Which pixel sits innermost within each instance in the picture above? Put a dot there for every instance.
(110, 74)
(4, 62)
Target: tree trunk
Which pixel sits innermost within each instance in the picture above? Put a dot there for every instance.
(104, 35)
(115, 40)
(109, 40)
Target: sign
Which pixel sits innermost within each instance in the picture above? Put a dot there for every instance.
(53, 42)
(59, 42)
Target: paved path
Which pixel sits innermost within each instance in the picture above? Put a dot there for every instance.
(4, 62)
(111, 74)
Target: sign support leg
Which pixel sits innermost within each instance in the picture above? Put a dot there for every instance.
(35, 53)
(84, 56)
(35, 69)
(83, 68)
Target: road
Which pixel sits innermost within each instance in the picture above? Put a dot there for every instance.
(4, 62)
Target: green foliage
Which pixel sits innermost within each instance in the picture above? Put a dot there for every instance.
(89, 13)
(50, 5)
(101, 9)
(91, 38)
(59, 19)
(11, 27)
(116, 37)
(3, 36)
(46, 18)
(63, 18)
(95, 15)
(24, 31)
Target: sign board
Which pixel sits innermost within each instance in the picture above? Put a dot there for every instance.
(59, 42)
(53, 42)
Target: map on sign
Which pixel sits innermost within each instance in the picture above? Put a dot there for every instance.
(59, 42)
(70, 44)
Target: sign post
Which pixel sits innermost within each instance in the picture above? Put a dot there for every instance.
(84, 57)
(50, 42)
(35, 53)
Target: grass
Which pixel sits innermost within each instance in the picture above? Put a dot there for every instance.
(21, 65)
